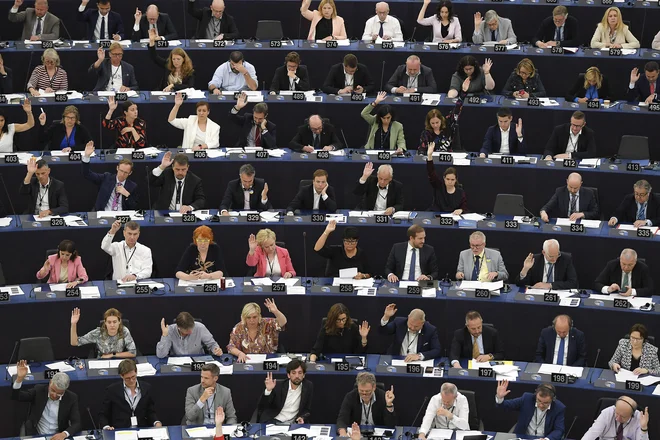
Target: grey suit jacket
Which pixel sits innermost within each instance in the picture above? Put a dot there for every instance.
(505, 31)
(49, 31)
(222, 397)
(494, 262)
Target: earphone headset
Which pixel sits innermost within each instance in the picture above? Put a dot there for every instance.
(547, 388)
(633, 407)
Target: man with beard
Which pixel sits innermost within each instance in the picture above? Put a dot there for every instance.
(287, 401)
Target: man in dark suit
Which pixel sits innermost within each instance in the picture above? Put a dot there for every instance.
(558, 30)
(501, 138)
(153, 19)
(46, 414)
(348, 77)
(475, 341)
(552, 347)
(533, 410)
(120, 406)
(113, 74)
(366, 404)
(246, 192)
(273, 404)
(548, 270)
(38, 23)
(213, 24)
(116, 192)
(642, 208)
(644, 88)
(412, 77)
(571, 140)
(47, 195)
(290, 76)
(180, 190)
(412, 260)
(317, 196)
(316, 133)
(414, 337)
(256, 129)
(571, 201)
(626, 276)
(102, 23)
(380, 192)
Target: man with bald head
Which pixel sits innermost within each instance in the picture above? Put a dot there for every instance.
(153, 19)
(38, 23)
(572, 201)
(626, 276)
(620, 421)
(548, 270)
(412, 77)
(414, 337)
(316, 133)
(562, 344)
(214, 23)
(382, 25)
(380, 192)
(102, 23)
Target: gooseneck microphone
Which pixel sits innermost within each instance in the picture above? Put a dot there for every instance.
(96, 430)
(533, 220)
(382, 76)
(148, 192)
(414, 423)
(305, 256)
(344, 137)
(594, 367)
(569, 429)
(11, 205)
(13, 352)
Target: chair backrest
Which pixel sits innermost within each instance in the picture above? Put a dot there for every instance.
(473, 420)
(3, 281)
(509, 204)
(50, 252)
(269, 30)
(305, 182)
(594, 190)
(602, 403)
(634, 147)
(37, 349)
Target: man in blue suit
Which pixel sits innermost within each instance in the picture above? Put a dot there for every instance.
(562, 344)
(102, 23)
(540, 413)
(414, 338)
(501, 138)
(116, 192)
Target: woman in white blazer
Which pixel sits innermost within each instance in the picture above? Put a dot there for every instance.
(199, 132)
(446, 27)
(326, 24)
(612, 33)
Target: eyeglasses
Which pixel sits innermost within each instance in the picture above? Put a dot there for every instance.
(70, 117)
(350, 241)
(636, 339)
(641, 195)
(341, 319)
(477, 246)
(577, 126)
(116, 54)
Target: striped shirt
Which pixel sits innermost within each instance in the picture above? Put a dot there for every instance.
(41, 80)
(127, 140)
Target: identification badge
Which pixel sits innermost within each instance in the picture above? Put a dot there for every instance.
(133, 421)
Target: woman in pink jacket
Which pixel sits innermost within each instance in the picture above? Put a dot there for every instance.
(326, 24)
(65, 266)
(269, 259)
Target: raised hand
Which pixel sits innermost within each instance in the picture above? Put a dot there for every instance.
(477, 20)
(501, 389)
(269, 382)
(364, 329)
(21, 370)
(252, 242)
(355, 432)
(430, 149)
(380, 97)
(390, 311)
(242, 100)
(389, 396)
(332, 225)
(75, 316)
(634, 75)
(264, 193)
(27, 106)
(138, 15)
(644, 419)
(163, 328)
(46, 267)
(153, 36)
(112, 104)
(166, 161)
(487, 65)
(270, 305)
(100, 54)
(519, 128)
(528, 263)
(89, 149)
(178, 99)
(18, 3)
(42, 119)
(368, 169)
(115, 227)
(219, 416)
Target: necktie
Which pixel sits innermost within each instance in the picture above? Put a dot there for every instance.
(475, 349)
(626, 280)
(413, 263)
(115, 201)
(652, 87)
(380, 32)
(476, 269)
(550, 277)
(317, 142)
(641, 215)
(560, 352)
(573, 204)
(38, 30)
(257, 136)
(558, 34)
(179, 184)
(492, 36)
(619, 432)
(102, 35)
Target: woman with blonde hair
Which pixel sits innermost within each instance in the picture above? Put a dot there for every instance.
(255, 334)
(178, 67)
(589, 86)
(112, 339)
(524, 82)
(326, 24)
(612, 33)
(49, 76)
(269, 259)
(66, 134)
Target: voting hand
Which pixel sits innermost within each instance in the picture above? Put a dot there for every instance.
(46, 267)
(477, 20)
(166, 161)
(487, 65)
(21, 370)
(364, 329)
(389, 396)
(89, 149)
(501, 389)
(32, 165)
(430, 149)
(332, 225)
(112, 104)
(528, 263)
(390, 311)
(519, 128)
(219, 416)
(18, 3)
(644, 419)
(252, 242)
(264, 193)
(100, 54)
(355, 432)
(634, 75)
(178, 99)
(75, 316)
(466, 84)
(138, 15)
(270, 305)
(269, 382)
(27, 106)
(380, 97)
(163, 328)
(115, 227)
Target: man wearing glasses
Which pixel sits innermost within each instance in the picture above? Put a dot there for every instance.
(53, 409)
(114, 75)
(548, 270)
(480, 263)
(366, 405)
(642, 208)
(540, 413)
(572, 140)
(116, 192)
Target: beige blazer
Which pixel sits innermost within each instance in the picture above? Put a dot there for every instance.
(602, 36)
(338, 28)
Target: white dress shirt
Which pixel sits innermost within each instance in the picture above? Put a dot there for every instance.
(42, 198)
(200, 137)
(367, 417)
(554, 356)
(48, 421)
(406, 267)
(504, 144)
(460, 411)
(348, 79)
(175, 204)
(115, 82)
(571, 146)
(291, 404)
(381, 199)
(317, 199)
(391, 28)
(275, 269)
(536, 425)
(127, 261)
(605, 427)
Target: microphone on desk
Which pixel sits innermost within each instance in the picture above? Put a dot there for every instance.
(414, 423)
(67, 31)
(533, 219)
(184, 15)
(29, 74)
(412, 37)
(305, 256)
(148, 193)
(594, 367)
(93, 422)
(344, 137)
(382, 75)
(569, 429)
(13, 352)
(299, 31)
(11, 205)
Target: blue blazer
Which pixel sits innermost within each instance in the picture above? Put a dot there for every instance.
(526, 405)
(493, 139)
(115, 24)
(577, 347)
(106, 183)
(428, 342)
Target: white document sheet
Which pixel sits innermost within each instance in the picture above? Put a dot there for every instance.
(276, 429)
(12, 369)
(12, 290)
(97, 365)
(443, 434)
(473, 285)
(402, 363)
(155, 433)
(179, 360)
(256, 358)
(126, 435)
(624, 375)
(295, 290)
(62, 366)
(348, 273)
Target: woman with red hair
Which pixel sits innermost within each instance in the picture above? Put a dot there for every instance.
(202, 259)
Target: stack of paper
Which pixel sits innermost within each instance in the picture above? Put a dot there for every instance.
(489, 285)
(403, 215)
(515, 158)
(276, 429)
(473, 216)
(560, 293)
(5, 221)
(202, 431)
(552, 368)
(369, 282)
(624, 375)
(348, 273)
(402, 363)
(89, 292)
(103, 364)
(269, 216)
(506, 372)
(276, 152)
(339, 218)
(62, 366)
(179, 360)
(126, 435)
(146, 369)
(262, 281)
(589, 163)
(295, 290)
(653, 229)
(547, 102)
(154, 433)
(112, 214)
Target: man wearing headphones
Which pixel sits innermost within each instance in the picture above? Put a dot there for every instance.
(540, 414)
(562, 344)
(620, 421)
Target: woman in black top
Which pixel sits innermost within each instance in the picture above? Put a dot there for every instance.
(448, 196)
(178, 68)
(66, 134)
(202, 259)
(342, 256)
(339, 334)
(524, 82)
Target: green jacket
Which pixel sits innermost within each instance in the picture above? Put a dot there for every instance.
(397, 140)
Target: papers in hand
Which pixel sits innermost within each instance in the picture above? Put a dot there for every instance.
(348, 273)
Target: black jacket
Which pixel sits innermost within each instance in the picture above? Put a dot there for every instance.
(163, 24)
(51, 138)
(234, 200)
(187, 82)
(68, 417)
(227, 24)
(104, 73)
(7, 82)
(305, 200)
(281, 79)
(560, 201)
(534, 86)
(586, 144)
(626, 212)
(564, 273)
(57, 200)
(396, 261)
(271, 405)
(577, 347)
(641, 279)
(304, 137)
(351, 410)
(369, 192)
(114, 23)
(193, 192)
(578, 90)
(117, 412)
(425, 80)
(547, 32)
(336, 79)
(642, 89)
(461, 344)
(246, 122)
